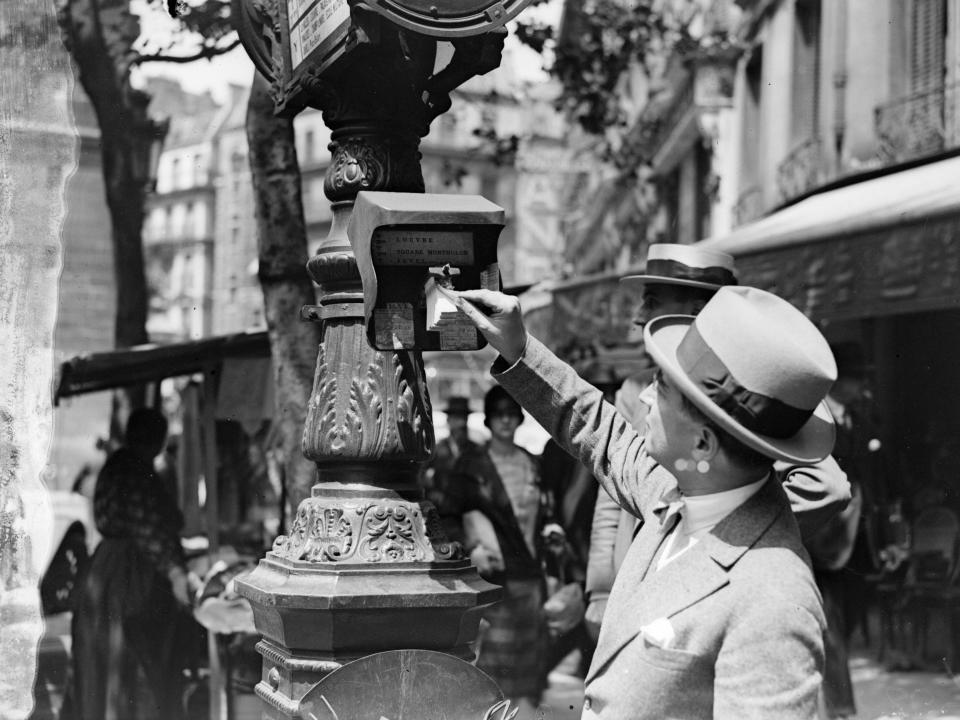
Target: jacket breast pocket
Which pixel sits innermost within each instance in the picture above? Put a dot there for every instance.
(663, 659)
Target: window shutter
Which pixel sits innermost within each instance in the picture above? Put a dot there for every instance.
(928, 45)
(806, 73)
(751, 120)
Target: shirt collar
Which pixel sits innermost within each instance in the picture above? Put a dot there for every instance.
(702, 512)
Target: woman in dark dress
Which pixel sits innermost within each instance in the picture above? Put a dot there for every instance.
(125, 654)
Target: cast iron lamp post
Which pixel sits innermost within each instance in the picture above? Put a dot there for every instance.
(366, 566)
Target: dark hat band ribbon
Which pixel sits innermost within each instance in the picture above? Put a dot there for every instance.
(679, 271)
(757, 413)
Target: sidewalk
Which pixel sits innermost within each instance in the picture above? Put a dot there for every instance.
(879, 694)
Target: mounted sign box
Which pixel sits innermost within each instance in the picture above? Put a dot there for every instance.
(412, 247)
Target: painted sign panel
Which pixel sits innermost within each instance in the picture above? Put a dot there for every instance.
(392, 246)
(312, 22)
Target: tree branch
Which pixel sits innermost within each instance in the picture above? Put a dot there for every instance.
(206, 53)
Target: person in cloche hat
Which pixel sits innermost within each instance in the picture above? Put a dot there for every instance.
(680, 280)
(715, 612)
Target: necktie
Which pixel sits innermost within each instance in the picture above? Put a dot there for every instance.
(671, 506)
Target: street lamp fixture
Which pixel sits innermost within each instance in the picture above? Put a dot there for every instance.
(148, 135)
(146, 156)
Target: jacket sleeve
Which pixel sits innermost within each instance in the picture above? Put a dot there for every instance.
(817, 493)
(583, 423)
(770, 664)
(603, 536)
(604, 532)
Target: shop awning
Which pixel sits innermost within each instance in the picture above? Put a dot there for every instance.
(901, 198)
(885, 245)
(149, 363)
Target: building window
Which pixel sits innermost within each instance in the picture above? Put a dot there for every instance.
(237, 159)
(806, 71)
(199, 177)
(704, 192)
(175, 173)
(749, 203)
(178, 221)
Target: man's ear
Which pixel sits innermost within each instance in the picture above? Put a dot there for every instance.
(707, 444)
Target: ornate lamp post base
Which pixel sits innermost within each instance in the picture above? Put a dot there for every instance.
(315, 617)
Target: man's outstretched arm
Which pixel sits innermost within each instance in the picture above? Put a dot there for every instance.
(569, 408)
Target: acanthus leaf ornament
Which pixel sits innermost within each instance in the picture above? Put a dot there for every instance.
(382, 531)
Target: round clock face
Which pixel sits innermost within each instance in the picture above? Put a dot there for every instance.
(449, 18)
(404, 685)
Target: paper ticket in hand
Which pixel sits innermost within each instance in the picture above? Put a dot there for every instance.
(659, 633)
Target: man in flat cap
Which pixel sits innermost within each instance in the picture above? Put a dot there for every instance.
(714, 613)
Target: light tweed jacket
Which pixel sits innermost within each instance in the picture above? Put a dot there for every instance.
(742, 603)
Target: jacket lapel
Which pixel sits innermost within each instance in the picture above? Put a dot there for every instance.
(695, 575)
(622, 606)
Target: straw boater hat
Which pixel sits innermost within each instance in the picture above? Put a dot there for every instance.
(754, 365)
(688, 265)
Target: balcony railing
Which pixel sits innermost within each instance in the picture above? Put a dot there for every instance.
(918, 125)
(801, 171)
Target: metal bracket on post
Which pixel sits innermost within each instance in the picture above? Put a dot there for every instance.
(322, 313)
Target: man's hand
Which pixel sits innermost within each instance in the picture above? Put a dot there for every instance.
(498, 317)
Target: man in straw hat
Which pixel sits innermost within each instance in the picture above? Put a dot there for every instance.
(715, 612)
(680, 280)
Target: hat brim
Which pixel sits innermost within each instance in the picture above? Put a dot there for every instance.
(641, 280)
(811, 444)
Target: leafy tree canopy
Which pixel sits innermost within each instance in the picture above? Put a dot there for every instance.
(602, 41)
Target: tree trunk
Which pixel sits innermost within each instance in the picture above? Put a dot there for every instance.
(100, 36)
(286, 286)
